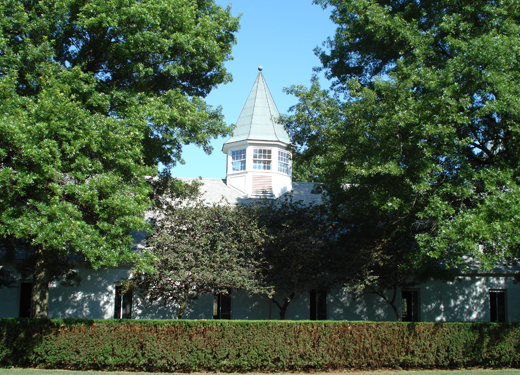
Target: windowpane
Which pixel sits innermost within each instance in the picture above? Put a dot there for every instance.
(261, 153)
(410, 305)
(239, 165)
(322, 305)
(238, 160)
(127, 305)
(262, 165)
(318, 305)
(25, 300)
(283, 162)
(262, 159)
(222, 305)
(497, 304)
(284, 168)
(283, 157)
(123, 304)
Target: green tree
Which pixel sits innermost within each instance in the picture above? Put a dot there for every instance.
(94, 95)
(374, 262)
(200, 249)
(423, 115)
(299, 253)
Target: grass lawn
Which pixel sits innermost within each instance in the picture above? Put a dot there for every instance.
(17, 371)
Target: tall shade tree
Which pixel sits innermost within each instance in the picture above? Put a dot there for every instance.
(423, 117)
(200, 249)
(94, 95)
(374, 262)
(299, 253)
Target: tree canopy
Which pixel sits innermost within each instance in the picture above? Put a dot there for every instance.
(94, 95)
(200, 249)
(150, 61)
(299, 251)
(423, 118)
(377, 258)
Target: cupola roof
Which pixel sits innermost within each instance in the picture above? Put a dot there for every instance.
(257, 121)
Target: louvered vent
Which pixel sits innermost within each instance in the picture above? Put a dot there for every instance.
(262, 186)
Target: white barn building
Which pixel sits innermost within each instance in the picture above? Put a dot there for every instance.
(259, 165)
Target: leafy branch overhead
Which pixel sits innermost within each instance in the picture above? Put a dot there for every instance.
(94, 95)
(422, 116)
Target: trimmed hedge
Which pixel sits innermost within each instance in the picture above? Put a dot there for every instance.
(186, 345)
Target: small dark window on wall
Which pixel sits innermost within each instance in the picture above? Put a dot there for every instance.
(25, 299)
(222, 305)
(497, 304)
(410, 305)
(123, 304)
(318, 302)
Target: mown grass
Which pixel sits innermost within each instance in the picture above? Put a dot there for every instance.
(18, 371)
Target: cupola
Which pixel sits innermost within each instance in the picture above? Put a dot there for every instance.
(258, 163)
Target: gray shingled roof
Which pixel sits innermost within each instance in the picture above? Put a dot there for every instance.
(257, 119)
(213, 190)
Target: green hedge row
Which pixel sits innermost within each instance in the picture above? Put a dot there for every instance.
(184, 345)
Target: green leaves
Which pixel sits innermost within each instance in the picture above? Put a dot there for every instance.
(93, 96)
(300, 252)
(428, 124)
(200, 249)
(68, 173)
(150, 62)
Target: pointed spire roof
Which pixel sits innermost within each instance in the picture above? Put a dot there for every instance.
(257, 119)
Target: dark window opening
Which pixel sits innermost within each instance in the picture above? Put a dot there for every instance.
(222, 305)
(123, 304)
(318, 302)
(410, 305)
(25, 299)
(497, 304)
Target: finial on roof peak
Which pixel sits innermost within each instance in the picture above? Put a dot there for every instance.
(260, 68)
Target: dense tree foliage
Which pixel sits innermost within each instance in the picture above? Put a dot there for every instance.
(200, 249)
(93, 95)
(374, 262)
(281, 248)
(423, 118)
(299, 252)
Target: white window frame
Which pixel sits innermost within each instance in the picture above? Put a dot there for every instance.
(262, 158)
(238, 160)
(283, 161)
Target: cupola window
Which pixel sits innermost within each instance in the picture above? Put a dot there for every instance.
(283, 162)
(262, 159)
(239, 160)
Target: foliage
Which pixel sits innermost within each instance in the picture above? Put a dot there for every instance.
(21, 260)
(374, 262)
(150, 61)
(71, 181)
(21, 371)
(93, 95)
(238, 346)
(200, 249)
(299, 251)
(423, 115)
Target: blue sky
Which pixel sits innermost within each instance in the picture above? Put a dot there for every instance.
(279, 35)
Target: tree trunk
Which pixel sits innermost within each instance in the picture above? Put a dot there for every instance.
(394, 307)
(182, 307)
(40, 292)
(396, 311)
(391, 302)
(283, 308)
